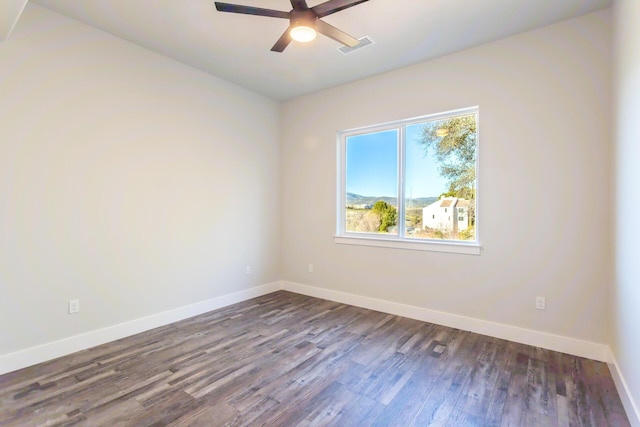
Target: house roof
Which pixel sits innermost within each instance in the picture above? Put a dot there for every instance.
(447, 202)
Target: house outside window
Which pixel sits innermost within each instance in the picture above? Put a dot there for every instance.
(411, 184)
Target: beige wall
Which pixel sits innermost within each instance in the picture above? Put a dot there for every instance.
(626, 293)
(127, 180)
(544, 182)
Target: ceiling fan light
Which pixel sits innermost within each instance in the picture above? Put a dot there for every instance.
(302, 33)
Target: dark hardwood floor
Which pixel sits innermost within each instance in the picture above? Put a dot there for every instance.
(286, 360)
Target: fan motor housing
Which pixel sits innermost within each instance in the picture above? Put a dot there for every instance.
(303, 17)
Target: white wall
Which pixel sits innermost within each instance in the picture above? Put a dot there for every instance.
(544, 182)
(127, 180)
(626, 293)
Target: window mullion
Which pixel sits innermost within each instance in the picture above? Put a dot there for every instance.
(342, 184)
(401, 180)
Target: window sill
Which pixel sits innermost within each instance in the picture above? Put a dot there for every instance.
(418, 245)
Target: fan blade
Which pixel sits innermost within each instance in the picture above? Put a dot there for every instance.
(250, 10)
(282, 42)
(299, 4)
(333, 6)
(334, 33)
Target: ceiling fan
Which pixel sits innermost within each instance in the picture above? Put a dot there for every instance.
(304, 21)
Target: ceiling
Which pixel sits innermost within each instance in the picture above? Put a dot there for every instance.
(237, 47)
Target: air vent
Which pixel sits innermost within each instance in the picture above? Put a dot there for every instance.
(364, 42)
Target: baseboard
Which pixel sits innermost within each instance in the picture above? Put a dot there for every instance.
(630, 406)
(42, 353)
(559, 343)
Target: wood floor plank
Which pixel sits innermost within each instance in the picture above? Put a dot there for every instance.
(284, 359)
(455, 365)
(505, 363)
(408, 401)
(476, 396)
(359, 412)
(219, 414)
(327, 405)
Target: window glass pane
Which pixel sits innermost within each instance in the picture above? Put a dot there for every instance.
(371, 204)
(440, 179)
(434, 160)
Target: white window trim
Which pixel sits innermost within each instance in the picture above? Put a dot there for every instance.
(392, 241)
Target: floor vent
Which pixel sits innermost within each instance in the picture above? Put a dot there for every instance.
(436, 348)
(364, 42)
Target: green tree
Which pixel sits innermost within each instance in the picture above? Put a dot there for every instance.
(451, 193)
(453, 142)
(387, 213)
(463, 193)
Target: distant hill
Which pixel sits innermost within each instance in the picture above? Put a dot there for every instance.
(357, 199)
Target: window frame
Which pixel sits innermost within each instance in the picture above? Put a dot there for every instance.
(400, 241)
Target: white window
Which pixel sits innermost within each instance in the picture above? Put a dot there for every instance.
(397, 181)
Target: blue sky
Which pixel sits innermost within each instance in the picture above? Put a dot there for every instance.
(372, 166)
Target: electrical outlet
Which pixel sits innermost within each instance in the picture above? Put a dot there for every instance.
(541, 303)
(247, 269)
(74, 306)
(310, 268)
